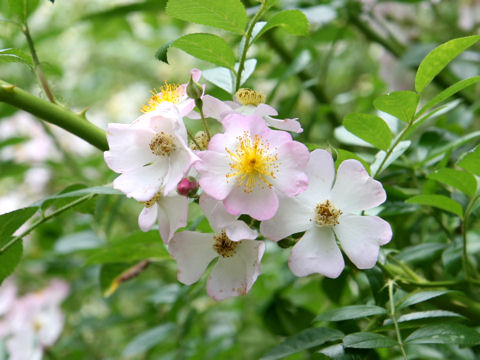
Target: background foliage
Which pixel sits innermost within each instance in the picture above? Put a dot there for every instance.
(103, 56)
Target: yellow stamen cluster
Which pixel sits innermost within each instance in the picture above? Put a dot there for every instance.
(326, 214)
(252, 162)
(168, 93)
(162, 144)
(249, 97)
(152, 201)
(201, 138)
(223, 245)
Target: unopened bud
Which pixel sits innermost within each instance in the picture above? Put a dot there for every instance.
(188, 186)
(194, 89)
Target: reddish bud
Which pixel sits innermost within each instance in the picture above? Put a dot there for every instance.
(188, 186)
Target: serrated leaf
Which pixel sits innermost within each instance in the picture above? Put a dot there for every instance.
(15, 55)
(471, 162)
(445, 94)
(447, 333)
(148, 339)
(370, 128)
(305, 339)
(367, 340)
(419, 297)
(351, 312)
(208, 47)
(229, 15)
(136, 247)
(460, 180)
(439, 58)
(401, 104)
(437, 201)
(292, 21)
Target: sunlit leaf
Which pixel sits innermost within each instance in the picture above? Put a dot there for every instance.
(421, 296)
(471, 162)
(293, 21)
(351, 312)
(370, 128)
(439, 58)
(438, 201)
(460, 180)
(445, 333)
(401, 104)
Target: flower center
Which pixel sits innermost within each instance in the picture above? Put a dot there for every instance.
(326, 214)
(252, 162)
(168, 93)
(152, 201)
(223, 245)
(162, 144)
(249, 97)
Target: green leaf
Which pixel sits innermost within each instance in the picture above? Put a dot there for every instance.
(207, 47)
(447, 333)
(471, 162)
(439, 58)
(422, 253)
(108, 274)
(18, 7)
(427, 315)
(136, 247)
(460, 180)
(306, 339)
(370, 128)
(367, 340)
(10, 258)
(9, 223)
(401, 104)
(345, 155)
(419, 297)
(351, 312)
(293, 21)
(148, 339)
(229, 15)
(15, 55)
(445, 94)
(438, 201)
(161, 53)
(268, 3)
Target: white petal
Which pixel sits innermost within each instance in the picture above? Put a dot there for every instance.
(354, 189)
(235, 275)
(193, 251)
(292, 125)
(261, 204)
(316, 252)
(129, 147)
(294, 215)
(143, 183)
(178, 165)
(147, 217)
(214, 108)
(361, 237)
(218, 217)
(238, 230)
(265, 110)
(172, 215)
(321, 173)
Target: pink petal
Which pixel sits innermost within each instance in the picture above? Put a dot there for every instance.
(293, 216)
(292, 125)
(216, 214)
(238, 230)
(193, 251)
(196, 74)
(235, 275)
(316, 252)
(172, 215)
(261, 203)
(361, 237)
(129, 147)
(147, 217)
(354, 189)
(214, 108)
(291, 178)
(142, 184)
(321, 173)
(178, 165)
(212, 171)
(265, 110)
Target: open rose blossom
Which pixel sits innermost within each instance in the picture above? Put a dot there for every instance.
(233, 243)
(249, 164)
(330, 208)
(151, 153)
(248, 102)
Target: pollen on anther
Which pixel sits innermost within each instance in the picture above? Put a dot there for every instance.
(162, 144)
(168, 93)
(326, 214)
(223, 245)
(249, 97)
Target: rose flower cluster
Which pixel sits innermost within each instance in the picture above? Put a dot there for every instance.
(247, 169)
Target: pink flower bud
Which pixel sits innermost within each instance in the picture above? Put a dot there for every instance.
(188, 186)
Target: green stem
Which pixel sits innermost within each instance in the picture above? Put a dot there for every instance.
(36, 64)
(246, 45)
(193, 139)
(199, 104)
(44, 219)
(53, 113)
(394, 318)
